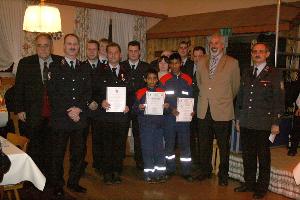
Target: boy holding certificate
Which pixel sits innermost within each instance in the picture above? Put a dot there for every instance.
(177, 85)
(149, 106)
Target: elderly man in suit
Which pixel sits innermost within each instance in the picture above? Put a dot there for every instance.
(31, 99)
(260, 103)
(218, 78)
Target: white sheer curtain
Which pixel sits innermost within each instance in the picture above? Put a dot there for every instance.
(98, 24)
(122, 30)
(11, 32)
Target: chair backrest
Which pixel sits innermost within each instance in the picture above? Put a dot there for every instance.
(18, 140)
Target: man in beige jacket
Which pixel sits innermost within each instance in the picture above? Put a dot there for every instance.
(218, 78)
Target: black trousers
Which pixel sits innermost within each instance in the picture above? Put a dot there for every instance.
(137, 140)
(113, 144)
(76, 148)
(195, 143)
(97, 144)
(255, 144)
(221, 131)
(40, 145)
(295, 134)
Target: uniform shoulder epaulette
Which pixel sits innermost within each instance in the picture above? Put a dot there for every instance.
(187, 78)
(165, 78)
(140, 93)
(159, 90)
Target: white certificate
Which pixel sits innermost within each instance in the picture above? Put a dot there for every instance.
(185, 108)
(154, 103)
(116, 97)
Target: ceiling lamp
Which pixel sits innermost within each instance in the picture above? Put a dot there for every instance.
(42, 18)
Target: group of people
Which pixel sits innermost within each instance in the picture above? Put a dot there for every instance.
(61, 99)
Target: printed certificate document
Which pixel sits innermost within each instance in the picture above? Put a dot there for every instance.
(154, 103)
(185, 108)
(116, 97)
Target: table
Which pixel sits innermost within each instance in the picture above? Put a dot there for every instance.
(22, 167)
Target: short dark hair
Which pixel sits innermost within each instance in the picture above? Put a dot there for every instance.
(71, 34)
(105, 40)
(199, 48)
(113, 44)
(184, 42)
(46, 35)
(175, 56)
(164, 58)
(94, 42)
(134, 43)
(261, 43)
(151, 71)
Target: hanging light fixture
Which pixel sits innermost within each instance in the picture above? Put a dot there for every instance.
(42, 18)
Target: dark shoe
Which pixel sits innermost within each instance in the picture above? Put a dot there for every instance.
(223, 182)
(76, 188)
(58, 194)
(202, 177)
(188, 178)
(259, 195)
(291, 153)
(116, 178)
(107, 179)
(161, 179)
(243, 188)
(150, 180)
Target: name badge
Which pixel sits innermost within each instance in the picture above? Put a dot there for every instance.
(169, 92)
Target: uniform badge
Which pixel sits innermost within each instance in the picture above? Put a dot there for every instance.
(49, 75)
(122, 77)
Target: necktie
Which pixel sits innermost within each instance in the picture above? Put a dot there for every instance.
(93, 66)
(72, 64)
(212, 67)
(114, 70)
(255, 73)
(45, 72)
(132, 67)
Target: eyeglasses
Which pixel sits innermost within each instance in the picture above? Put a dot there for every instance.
(259, 51)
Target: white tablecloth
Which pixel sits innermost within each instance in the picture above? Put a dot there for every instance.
(22, 167)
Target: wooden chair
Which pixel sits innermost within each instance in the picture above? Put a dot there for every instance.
(22, 143)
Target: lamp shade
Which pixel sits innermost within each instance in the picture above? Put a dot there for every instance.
(42, 18)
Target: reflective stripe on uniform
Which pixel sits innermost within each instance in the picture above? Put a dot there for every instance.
(185, 93)
(170, 157)
(186, 159)
(149, 170)
(160, 168)
(170, 92)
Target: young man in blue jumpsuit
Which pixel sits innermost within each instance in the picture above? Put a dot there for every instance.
(177, 85)
(151, 132)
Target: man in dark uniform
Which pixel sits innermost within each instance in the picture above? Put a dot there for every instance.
(295, 133)
(198, 52)
(187, 64)
(31, 100)
(113, 125)
(137, 70)
(260, 103)
(93, 63)
(70, 93)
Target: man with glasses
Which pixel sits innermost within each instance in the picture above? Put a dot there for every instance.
(260, 103)
(31, 100)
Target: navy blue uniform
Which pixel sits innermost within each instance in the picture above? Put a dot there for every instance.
(151, 135)
(177, 87)
(68, 87)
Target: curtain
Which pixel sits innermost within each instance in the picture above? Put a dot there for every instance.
(98, 23)
(82, 29)
(171, 44)
(11, 32)
(122, 30)
(139, 34)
